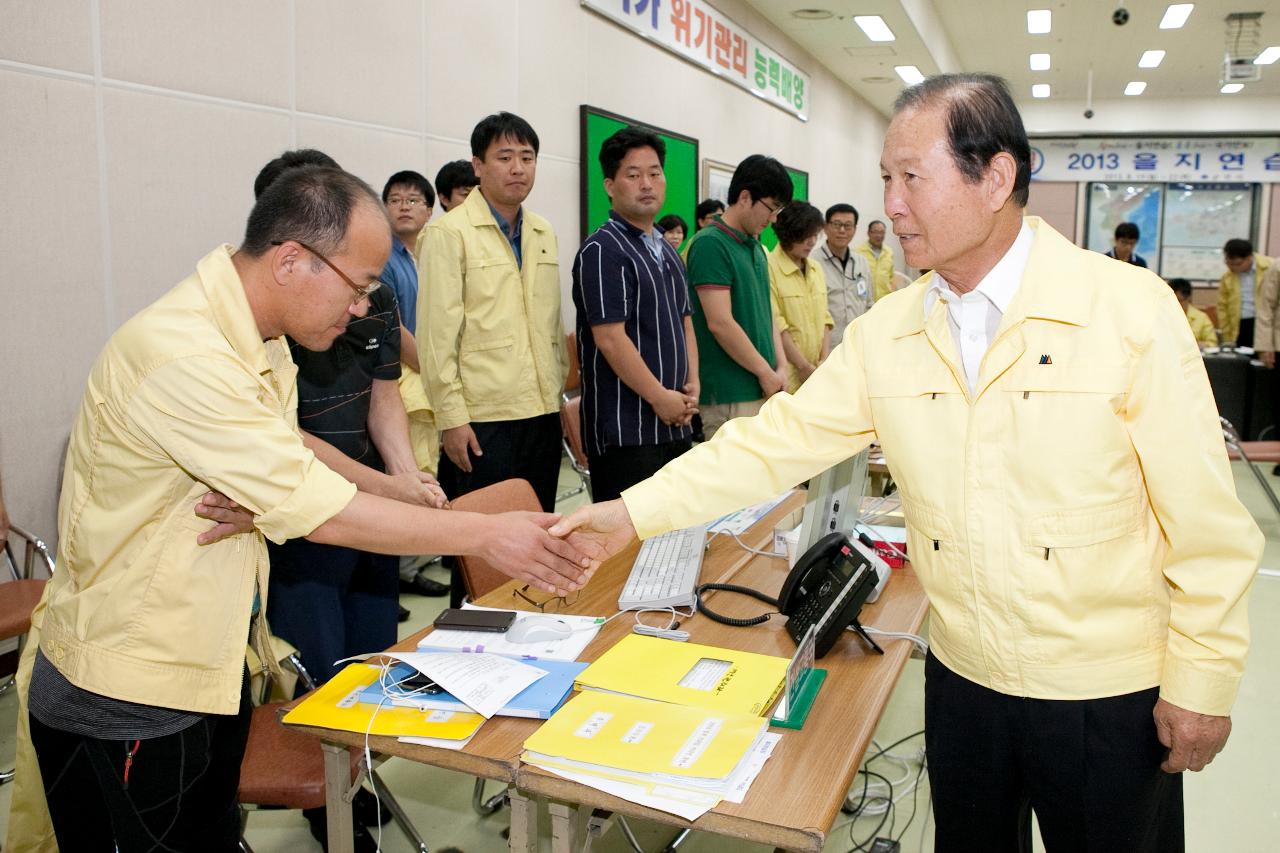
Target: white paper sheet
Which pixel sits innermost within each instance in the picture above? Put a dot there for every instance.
(691, 805)
(739, 522)
(482, 682)
(750, 766)
(571, 647)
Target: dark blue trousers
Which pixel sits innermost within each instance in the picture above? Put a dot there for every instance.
(332, 602)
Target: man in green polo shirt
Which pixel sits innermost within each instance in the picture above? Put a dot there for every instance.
(741, 362)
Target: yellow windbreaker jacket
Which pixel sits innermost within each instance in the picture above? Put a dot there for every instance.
(1074, 522)
(490, 338)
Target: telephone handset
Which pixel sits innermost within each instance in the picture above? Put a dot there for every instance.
(827, 588)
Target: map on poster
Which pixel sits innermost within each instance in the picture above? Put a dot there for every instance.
(1198, 220)
(1111, 204)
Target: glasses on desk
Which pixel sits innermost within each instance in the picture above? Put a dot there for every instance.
(551, 604)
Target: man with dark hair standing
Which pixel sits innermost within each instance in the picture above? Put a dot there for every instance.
(1125, 246)
(135, 674)
(455, 181)
(491, 343)
(1070, 508)
(1237, 289)
(706, 209)
(633, 309)
(741, 362)
(879, 259)
(850, 292)
(409, 200)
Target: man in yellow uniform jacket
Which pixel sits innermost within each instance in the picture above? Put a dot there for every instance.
(491, 344)
(1237, 290)
(879, 258)
(1070, 510)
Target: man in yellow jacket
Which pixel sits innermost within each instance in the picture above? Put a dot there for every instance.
(1070, 509)
(879, 258)
(1237, 290)
(134, 677)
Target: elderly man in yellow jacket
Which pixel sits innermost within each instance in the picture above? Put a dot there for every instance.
(879, 258)
(1237, 290)
(1070, 509)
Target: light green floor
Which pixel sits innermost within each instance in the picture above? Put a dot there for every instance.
(1233, 805)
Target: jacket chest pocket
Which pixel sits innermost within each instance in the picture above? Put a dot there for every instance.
(1089, 569)
(919, 416)
(493, 296)
(1071, 412)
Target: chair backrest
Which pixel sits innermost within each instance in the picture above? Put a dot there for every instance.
(572, 426)
(478, 574)
(574, 380)
(34, 547)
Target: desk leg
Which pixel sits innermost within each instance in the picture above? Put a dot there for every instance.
(524, 822)
(566, 826)
(337, 779)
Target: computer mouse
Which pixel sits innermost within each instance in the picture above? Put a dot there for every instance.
(538, 629)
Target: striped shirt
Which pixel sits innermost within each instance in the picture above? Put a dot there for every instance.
(618, 278)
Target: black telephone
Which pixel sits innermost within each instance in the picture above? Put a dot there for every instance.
(832, 579)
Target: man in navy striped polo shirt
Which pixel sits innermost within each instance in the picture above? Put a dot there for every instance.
(635, 338)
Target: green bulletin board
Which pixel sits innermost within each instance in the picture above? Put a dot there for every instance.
(681, 168)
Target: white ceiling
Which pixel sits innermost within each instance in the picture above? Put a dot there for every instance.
(991, 35)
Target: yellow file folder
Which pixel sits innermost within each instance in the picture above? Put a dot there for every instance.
(335, 706)
(641, 736)
(688, 674)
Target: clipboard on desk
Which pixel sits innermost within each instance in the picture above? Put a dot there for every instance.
(336, 705)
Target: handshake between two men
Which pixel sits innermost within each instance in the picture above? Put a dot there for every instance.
(552, 553)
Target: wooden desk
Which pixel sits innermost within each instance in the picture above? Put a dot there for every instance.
(793, 802)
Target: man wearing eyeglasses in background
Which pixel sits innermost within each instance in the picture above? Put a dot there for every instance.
(849, 289)
(740, 361)
(410, 200)
(135, 675)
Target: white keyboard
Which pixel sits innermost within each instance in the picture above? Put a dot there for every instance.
(666, 571)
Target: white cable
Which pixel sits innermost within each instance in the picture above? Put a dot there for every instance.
(744, 546)
(669, 632)
(873, 534)
(919, 642)
(368, 755)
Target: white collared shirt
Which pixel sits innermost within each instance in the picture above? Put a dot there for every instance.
(975, 316)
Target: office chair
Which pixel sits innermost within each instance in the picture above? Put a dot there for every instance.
(573, 447)
(1253, 452)
(283, 768)
(19, 596)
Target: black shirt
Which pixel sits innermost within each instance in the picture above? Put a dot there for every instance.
(335, 386)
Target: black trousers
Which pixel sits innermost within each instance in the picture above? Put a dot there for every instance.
(180, 794)
(1089, 769)
(528, 449)
(1245, 337)
(620, 468)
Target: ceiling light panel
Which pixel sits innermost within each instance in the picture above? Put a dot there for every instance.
(875, 27)
(1039, 62)
(1135, 87)
(1040, 90)
(1176, 15)
(1039, 21)
(1231, 88)
(909, 74)
(1151, 59)
(1268, 56)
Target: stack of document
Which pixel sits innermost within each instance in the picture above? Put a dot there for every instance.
(688, 674)
(335, 705)
(674, 758)
(539, 700)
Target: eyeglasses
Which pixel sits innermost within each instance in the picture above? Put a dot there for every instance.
(773, 211)
(555, 602)
(362, 293)
(411, 201)
(841, 226)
